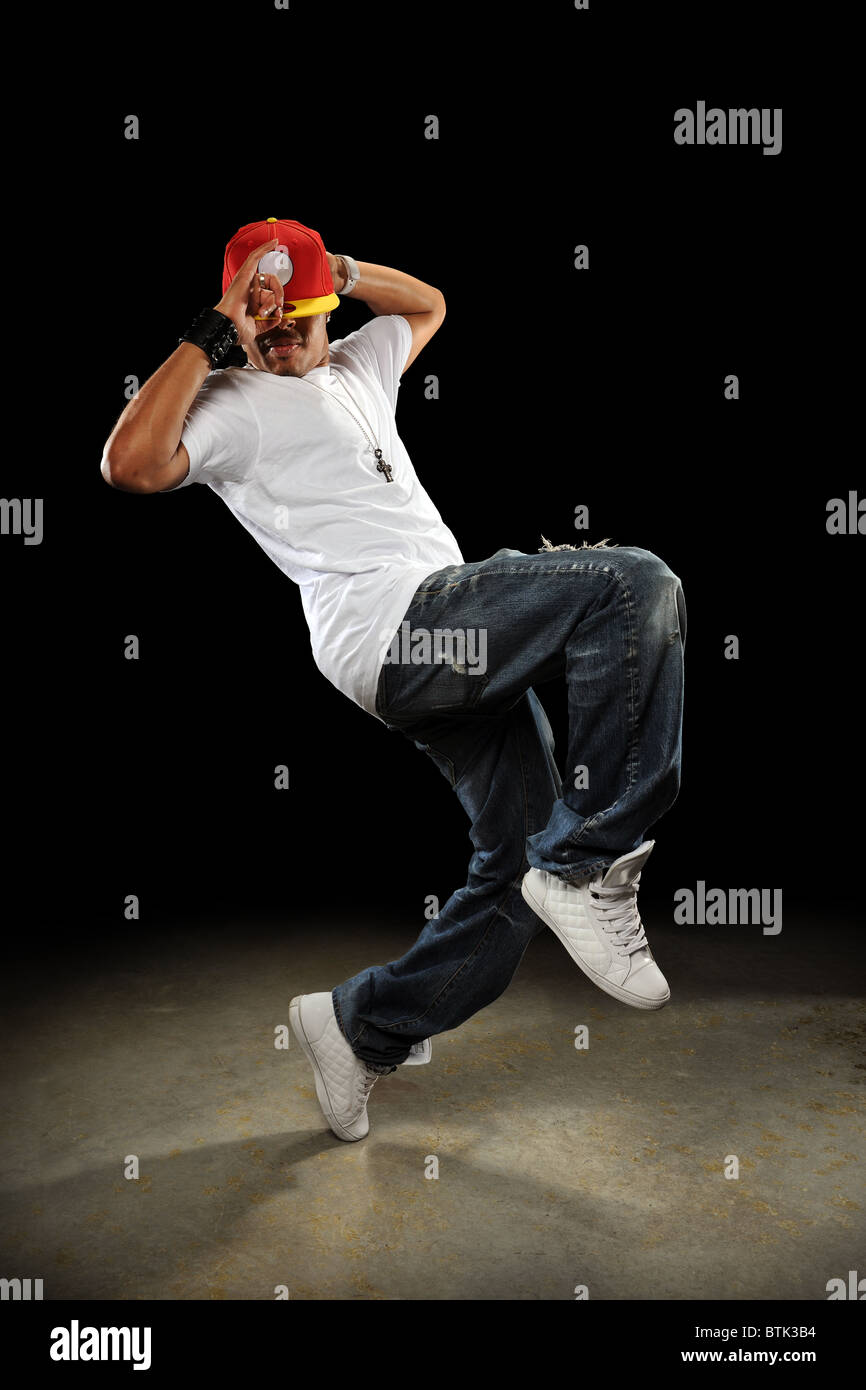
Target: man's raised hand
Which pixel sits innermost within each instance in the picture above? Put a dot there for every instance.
(246, 297)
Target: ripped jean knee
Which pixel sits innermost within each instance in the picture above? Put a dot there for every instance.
(599, 545)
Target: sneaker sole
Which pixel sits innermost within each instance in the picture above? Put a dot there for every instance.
(616, 991)
(321, 1086)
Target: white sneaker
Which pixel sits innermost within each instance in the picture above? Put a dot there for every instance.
(599, 925)
(419, 1053)
(343, 1081)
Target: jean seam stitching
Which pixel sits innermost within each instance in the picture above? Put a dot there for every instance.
(511, 569)
(632, 751)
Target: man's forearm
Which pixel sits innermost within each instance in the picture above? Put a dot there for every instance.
(389, 291)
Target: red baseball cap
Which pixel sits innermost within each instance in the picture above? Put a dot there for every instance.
(302, 264)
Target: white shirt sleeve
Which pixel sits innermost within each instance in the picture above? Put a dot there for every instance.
(220, 432)
(379, 349)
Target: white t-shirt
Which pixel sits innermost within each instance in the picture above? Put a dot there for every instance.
(298, 472)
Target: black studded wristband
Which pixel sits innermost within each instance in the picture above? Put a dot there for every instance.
(214, 333)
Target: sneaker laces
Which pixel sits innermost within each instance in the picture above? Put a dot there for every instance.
(364, 1083)
(620, 919)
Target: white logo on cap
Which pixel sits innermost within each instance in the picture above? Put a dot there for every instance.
(278, 263)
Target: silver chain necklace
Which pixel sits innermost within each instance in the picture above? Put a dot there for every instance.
(381, 465)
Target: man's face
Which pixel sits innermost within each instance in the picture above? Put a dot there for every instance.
(291, 347)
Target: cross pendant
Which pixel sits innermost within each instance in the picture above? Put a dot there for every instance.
(383, 467)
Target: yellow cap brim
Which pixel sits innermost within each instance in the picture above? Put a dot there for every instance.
(305, 308)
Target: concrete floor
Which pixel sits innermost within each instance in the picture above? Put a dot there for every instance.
(557, 1167)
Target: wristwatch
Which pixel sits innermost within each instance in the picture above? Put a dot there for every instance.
(354, 274)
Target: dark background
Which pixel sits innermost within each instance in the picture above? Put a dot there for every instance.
(557, 388)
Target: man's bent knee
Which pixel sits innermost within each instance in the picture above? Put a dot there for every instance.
(645, 564)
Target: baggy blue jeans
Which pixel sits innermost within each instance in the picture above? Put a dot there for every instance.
(612, 620)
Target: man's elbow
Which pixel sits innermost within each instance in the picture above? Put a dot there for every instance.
(109, 471)
(123, 472)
